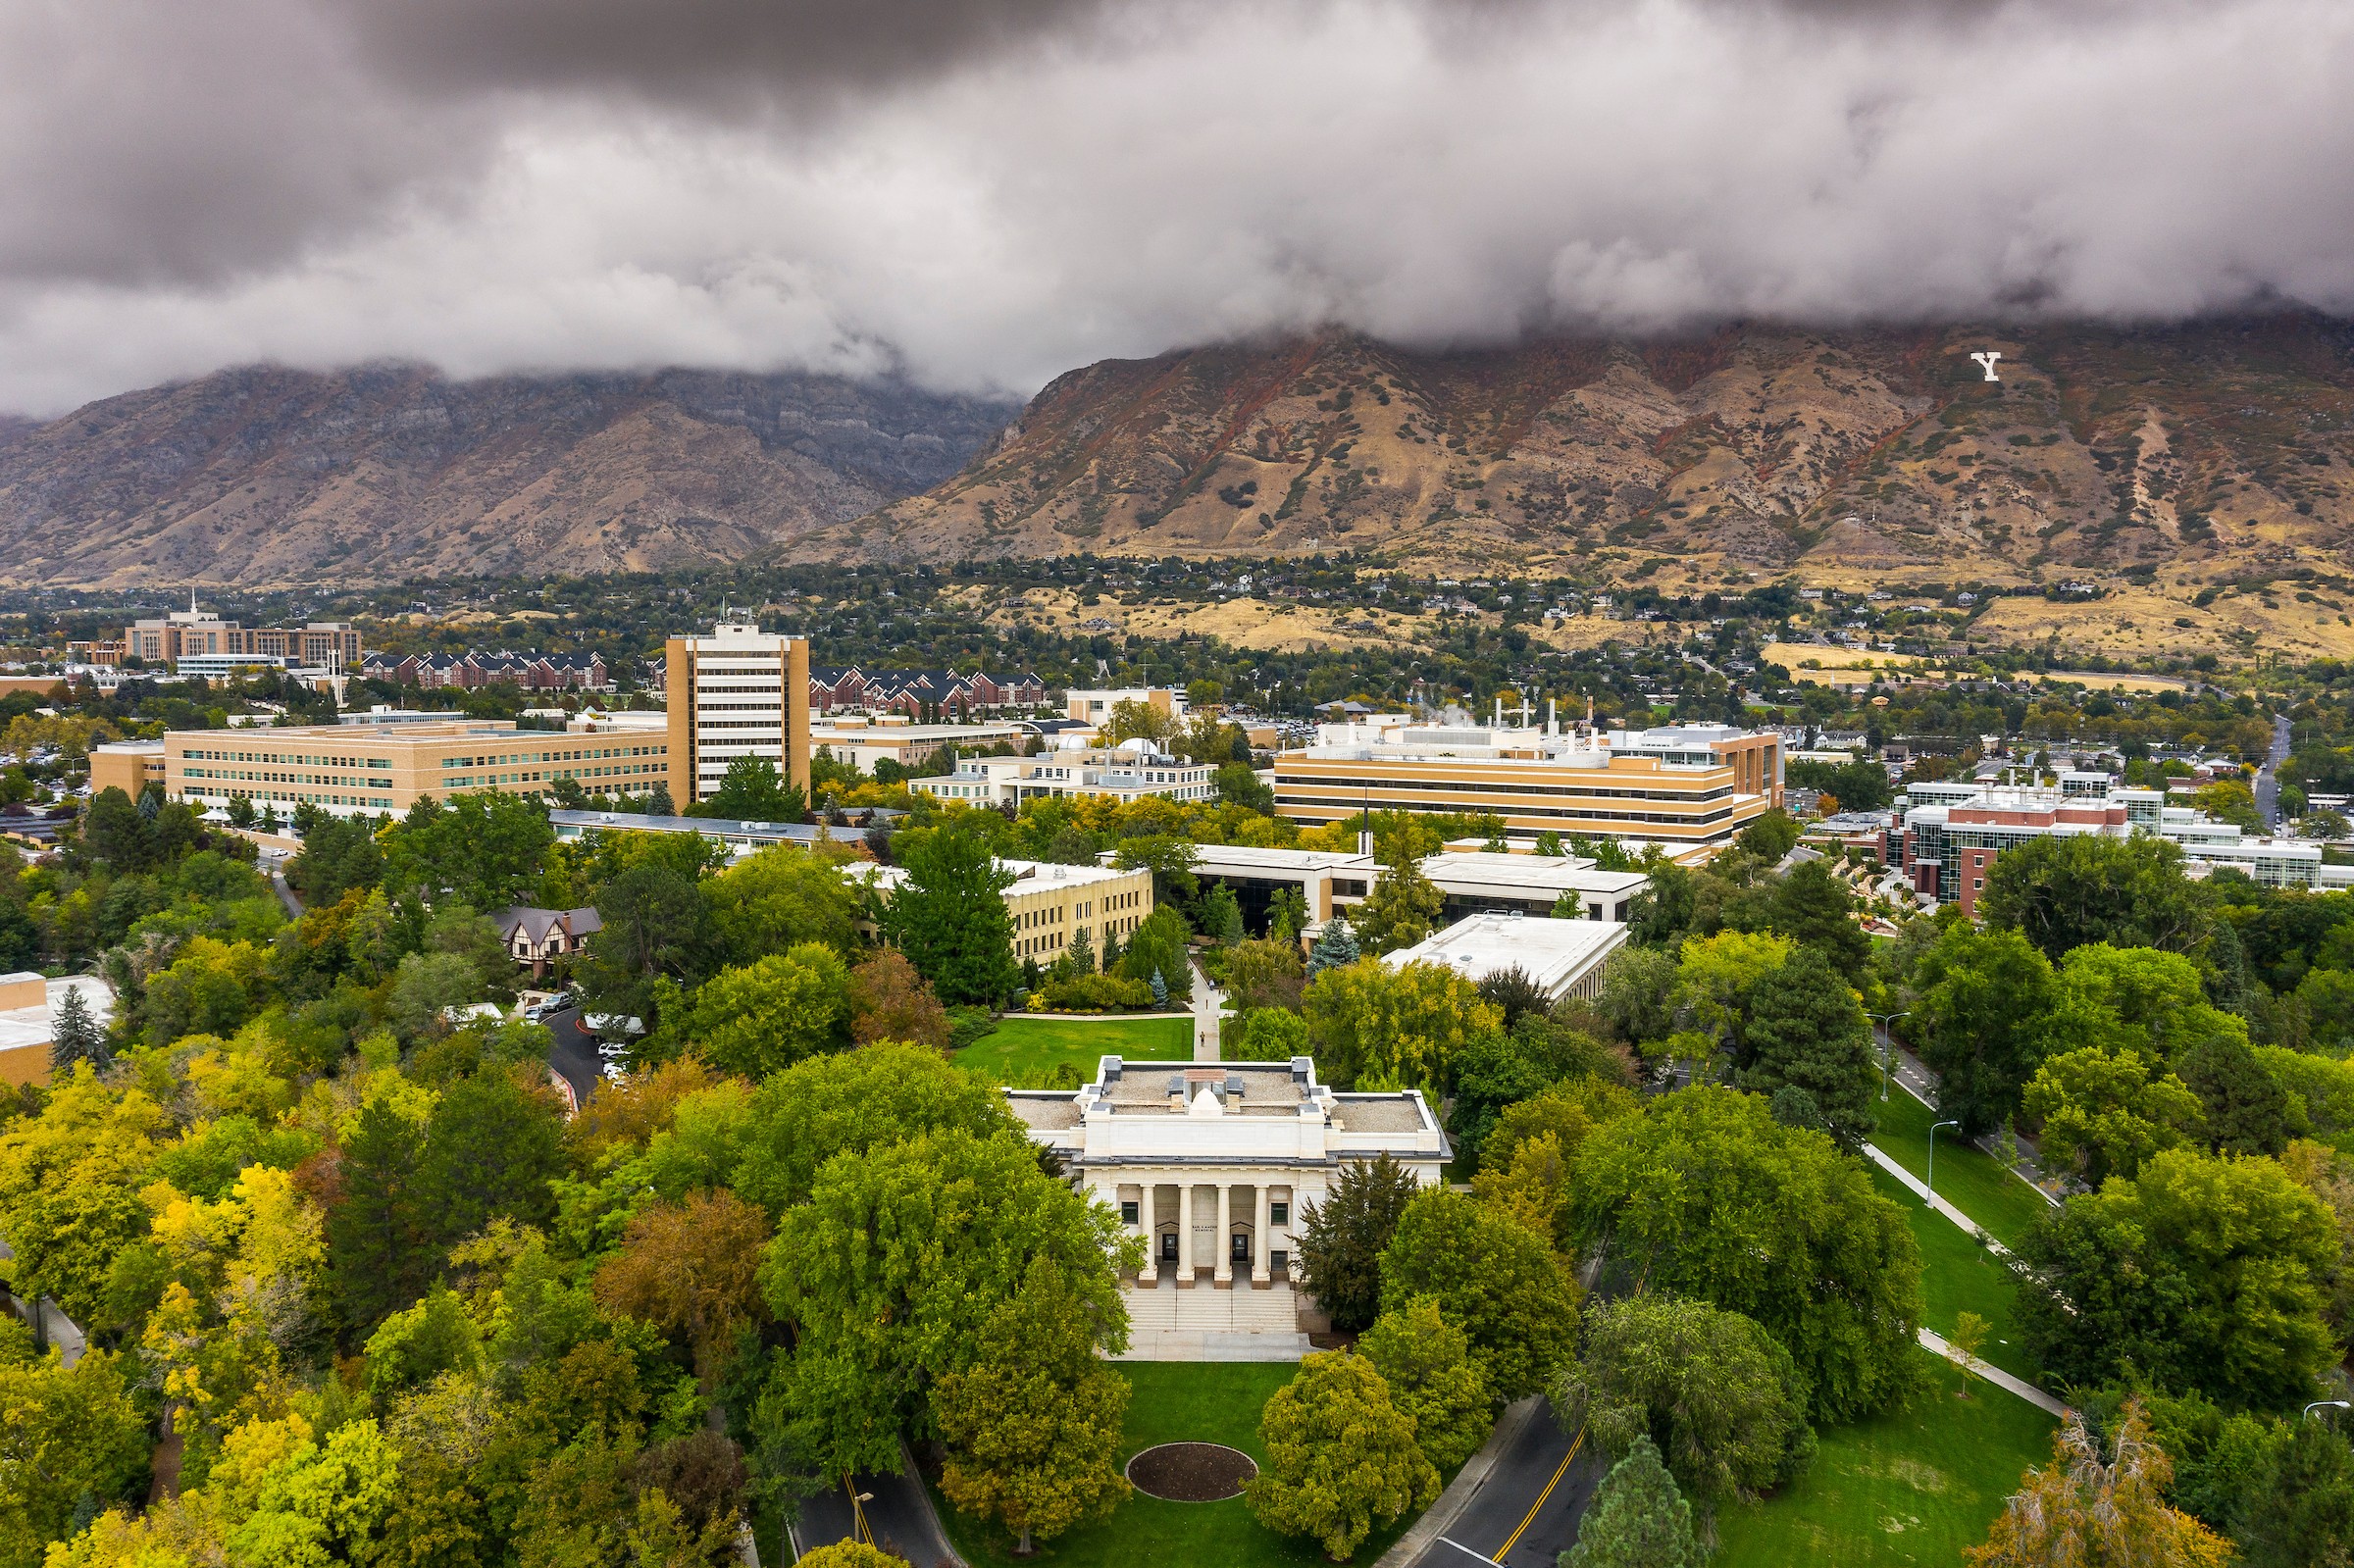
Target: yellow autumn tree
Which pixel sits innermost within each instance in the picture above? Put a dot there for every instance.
(2084, 1511)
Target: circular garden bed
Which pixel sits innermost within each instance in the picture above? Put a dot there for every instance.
(1190, 1472)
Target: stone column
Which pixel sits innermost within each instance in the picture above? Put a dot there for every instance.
(1222, 1273)
(1261, 1241)
(1185, 1236)
(1147, 1202)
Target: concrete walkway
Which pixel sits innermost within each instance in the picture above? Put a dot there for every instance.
(1995, 1375)
(1210, 1006)
(1916, 1080)
(1920, 1188)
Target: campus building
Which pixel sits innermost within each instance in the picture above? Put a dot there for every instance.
(1335, 882)
(740, 839)
(1052, 906)
(197, 641)
(355, 768)
(739, 692)
(1954, 832)
(1682, 787)
(1130, 771)
(1215, 1167)
(1566, 958)
(861, 740)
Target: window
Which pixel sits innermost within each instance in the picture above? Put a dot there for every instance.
(1128, 1212)
(1279, 1214)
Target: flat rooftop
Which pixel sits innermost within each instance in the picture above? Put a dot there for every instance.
(1486, 870)
(1555, 953)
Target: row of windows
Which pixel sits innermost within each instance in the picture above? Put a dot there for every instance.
(523, 759)
(1511, 791)
(285, 760)
(1289, 805)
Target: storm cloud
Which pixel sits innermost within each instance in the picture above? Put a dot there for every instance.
(985, 192)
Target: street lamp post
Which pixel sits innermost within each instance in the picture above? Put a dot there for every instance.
(2326, 1404)
(1887, 1046)
(1931, 1182)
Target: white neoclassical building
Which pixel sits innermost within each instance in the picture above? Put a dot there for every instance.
(1212, 1164)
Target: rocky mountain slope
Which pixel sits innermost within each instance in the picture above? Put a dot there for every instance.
(268, 476)
(2221, 449)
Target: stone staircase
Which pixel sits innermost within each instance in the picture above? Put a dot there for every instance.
(1203, 1324)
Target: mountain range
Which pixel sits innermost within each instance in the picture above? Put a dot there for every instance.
(2215, 450)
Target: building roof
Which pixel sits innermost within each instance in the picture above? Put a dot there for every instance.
(537, 924)
(572, 823)
(1555, 953)
(37, 1026)
(1477, 872)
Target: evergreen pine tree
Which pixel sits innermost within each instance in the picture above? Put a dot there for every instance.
(1160, 990)
(376, 1237)
(1807, 1030)
(1078, 958)
(78, 1036)
(1638, 1519)
(1335, 949)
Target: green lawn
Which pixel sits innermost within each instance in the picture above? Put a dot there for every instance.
(1174, 1401)
(1957, 1275)
(1913, 1486)
(1025, 1051)
(1967, 1178)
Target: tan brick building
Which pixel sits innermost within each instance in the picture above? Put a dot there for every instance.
(353, 768)
(739, 692)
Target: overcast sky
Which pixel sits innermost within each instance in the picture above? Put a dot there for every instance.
(987, 193)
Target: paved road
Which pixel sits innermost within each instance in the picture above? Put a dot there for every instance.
(1526, 1514)
(273, 865)
(895, 1510)
(2268, 777)
(574, 1055)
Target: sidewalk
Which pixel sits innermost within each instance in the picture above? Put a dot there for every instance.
(1996, 1376)
(1920, 1188)
(1916, 1080)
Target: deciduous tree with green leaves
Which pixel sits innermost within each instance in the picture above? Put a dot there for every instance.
(1986, 998)
(1032, 1425)
(1706, 1197)
(1715, 1392)
(2105, 1112)
(1427, 1361)
(2063, 892)
(1496, 1280)
(1375, 1027)
(1341, 1456)
(1403, 906)
(762, 1017)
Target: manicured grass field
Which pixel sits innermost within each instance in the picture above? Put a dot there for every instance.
(1957, 1275)
(1025, 1051)
(1967, 1178)
(1174, 1401)
(1912, 1486)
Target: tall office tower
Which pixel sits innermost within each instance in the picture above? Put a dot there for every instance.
(738, 692)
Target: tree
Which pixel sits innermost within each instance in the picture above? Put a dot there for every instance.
(691, 1269)
(493, 1141)
(1637, 1519)
(339, 855)
(1707, 1197)
(1500, 1284)
(483, 848)
(882, 1312)
(419, 1345)
(652, 925)
(1813, 907)
(849, 1554)
(1032, 1426)
(1221, 915)
(1637, 992)
(114, 831)
(378, 1250)
(889, 1000)
(1967, 1339)
(1771, 836)
(947, 919)
(852, 1103)
(781, 897)
(77, 1036)
(1341, 1456)
(2105, 1112)
(752, 791)
(2229, 800)
(1375, 1027)
(1335, 947)
(1427, 1361)
(1270, 1034)
(2298, 1509)
(2246, 1107)
(1404, 904)
(762, 1017)
(1713, 979)
(1807, 1030)
(1985, 998)
(1287, 916)
(1265, 973)
(1169, 858)
(2084, 1509)
(425, 987)
(1340, 1250)
(1157, 947)
(2201, 1274)
(1710, 1387)
(70, 1439)
(2063, 892)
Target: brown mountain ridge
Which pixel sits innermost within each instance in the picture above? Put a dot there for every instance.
(266, 475)
(2221, 449)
